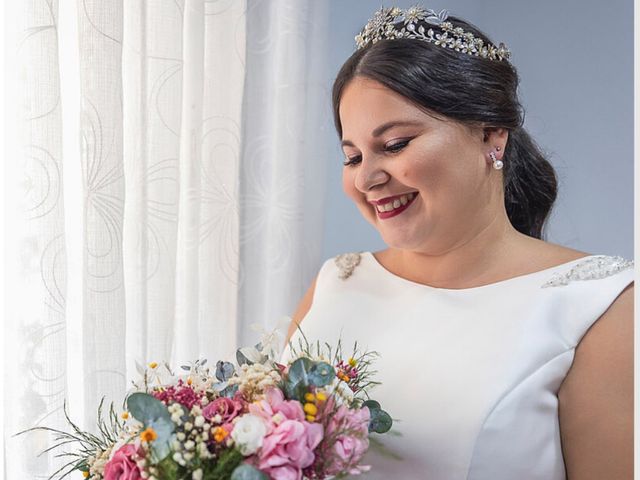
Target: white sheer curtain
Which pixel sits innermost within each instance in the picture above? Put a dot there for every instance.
(166, 192)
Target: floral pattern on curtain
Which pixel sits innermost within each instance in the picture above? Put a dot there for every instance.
(167, 190)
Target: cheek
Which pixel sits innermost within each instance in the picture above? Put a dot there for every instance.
(427, 174)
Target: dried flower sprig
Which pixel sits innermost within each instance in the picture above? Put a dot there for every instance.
(88, 445)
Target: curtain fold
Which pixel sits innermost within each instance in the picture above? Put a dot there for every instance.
(102, 197)
(168, 189)
(283, 159)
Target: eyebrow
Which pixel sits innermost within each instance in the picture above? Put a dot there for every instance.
(384, 127)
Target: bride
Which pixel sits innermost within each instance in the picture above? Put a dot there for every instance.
(503, 356)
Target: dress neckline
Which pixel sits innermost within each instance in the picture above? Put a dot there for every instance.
(383, 269)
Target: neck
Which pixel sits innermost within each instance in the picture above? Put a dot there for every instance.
(476, 259)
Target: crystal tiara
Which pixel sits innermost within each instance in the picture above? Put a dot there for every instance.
(390, 23)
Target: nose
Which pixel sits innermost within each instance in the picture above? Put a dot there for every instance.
(370, 174)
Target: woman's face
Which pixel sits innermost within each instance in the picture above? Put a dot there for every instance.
(424, 183)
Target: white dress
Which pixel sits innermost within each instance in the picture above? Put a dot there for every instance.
(470, 376)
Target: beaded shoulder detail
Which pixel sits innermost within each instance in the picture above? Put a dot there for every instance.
(592, 268)
(347, 263)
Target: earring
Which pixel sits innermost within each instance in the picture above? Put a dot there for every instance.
(497, 164)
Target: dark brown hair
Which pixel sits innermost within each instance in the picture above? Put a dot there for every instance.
(473, 91)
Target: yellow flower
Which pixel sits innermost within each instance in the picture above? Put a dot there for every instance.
(125, 415)
(311, 418)
(149, 435)
(153, 365)
(310, 409)
(219, 434)
(85, 474)
(352, 362)
(309, 397)
(321, 396)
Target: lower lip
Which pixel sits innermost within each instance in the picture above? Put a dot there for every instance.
(397, 211)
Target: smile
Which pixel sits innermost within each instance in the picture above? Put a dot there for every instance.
(392, 206)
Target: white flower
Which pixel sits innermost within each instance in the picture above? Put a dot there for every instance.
(253, 380)
(341, 391)
(248, 433)
(273, 341)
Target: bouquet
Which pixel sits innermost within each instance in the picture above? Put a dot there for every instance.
(256, 419)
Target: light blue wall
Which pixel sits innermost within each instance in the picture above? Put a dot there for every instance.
(575, 60)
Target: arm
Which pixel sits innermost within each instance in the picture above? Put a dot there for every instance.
(301, 311)
(596, 398)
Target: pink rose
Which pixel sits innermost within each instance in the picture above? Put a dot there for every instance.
(349, 434)
(122, 465)
(227, 408)
(290, 440)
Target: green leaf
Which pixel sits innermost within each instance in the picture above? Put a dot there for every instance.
(168, 469)
(146, 408)
(224, 466)
(380, 422)
(224, 370)
(82, 465)
(153, 413)
(247, 472)
(229, 391)
(290, 390)
(297, 382)
(371, 405)
(321, 374)
(299, 371)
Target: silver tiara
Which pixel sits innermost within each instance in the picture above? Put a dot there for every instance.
(391, 23)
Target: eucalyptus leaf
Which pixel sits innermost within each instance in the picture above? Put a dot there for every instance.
(371, 405)
(161, 446)
(218, 387)
(289, 390)
(146, 408)
(224, 370)
(380, 421)
(229, 391)
(153, 413)
(299, 371)
(297, 382)
(321, 374)
(248, 472)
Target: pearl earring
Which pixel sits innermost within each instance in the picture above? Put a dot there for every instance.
(497, 164)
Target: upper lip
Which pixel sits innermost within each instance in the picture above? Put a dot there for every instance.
(385, 200)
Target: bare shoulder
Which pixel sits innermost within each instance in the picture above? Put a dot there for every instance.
(596, 397)
(547, 254)
(302, 310)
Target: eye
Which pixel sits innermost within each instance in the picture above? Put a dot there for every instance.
(396, 146)
(351, 161)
